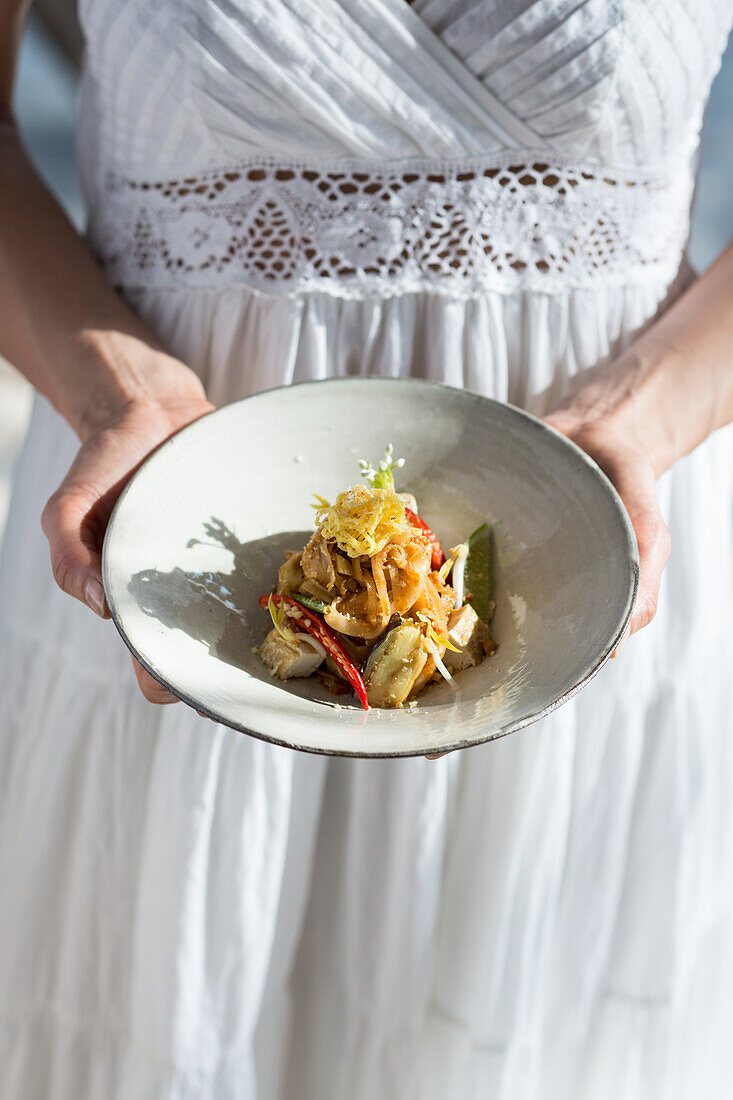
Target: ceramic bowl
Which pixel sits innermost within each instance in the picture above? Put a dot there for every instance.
(200, 530)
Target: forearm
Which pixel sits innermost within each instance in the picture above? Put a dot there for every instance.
(61, 323)
(674, 384)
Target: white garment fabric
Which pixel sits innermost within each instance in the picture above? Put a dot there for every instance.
(187, 913)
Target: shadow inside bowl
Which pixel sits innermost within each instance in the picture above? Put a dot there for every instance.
(220, 608)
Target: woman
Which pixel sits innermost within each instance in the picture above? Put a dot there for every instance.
(492, 194)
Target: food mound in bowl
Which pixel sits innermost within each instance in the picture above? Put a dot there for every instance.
(372, 604)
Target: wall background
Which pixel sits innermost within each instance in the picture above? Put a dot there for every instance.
(45, 107)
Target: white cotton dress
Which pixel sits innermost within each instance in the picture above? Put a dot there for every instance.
(493, 193)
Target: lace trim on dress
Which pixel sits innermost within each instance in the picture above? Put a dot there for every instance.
(355, 229)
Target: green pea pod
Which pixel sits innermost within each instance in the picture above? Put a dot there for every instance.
(477, 576)
(311, 603)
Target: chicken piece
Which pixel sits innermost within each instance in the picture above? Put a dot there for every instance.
(310, 588)
(342, 564)
(285, 660)
(317, 563)
(349, 617)
(290, 575)
(469, 633)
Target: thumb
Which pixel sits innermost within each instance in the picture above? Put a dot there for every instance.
(75, 551)
(637, 490)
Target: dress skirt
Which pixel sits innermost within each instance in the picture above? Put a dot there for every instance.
(189, 913)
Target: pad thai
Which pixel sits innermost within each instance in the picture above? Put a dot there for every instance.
(372, 605)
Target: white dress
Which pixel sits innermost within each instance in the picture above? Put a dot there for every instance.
(491, 192)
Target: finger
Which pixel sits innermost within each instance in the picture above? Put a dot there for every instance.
(637, 490)
(633, 476)
(435, 755)
(561, 420)
(151, 689)
(75, 559)
(652, 538)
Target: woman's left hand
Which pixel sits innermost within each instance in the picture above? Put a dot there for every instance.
(605, 428)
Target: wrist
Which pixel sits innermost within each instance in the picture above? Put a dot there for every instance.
(667, 407)
(121, 373)
(635, 401)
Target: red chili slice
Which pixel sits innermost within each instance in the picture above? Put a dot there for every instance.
(315, 625)
(438, 557)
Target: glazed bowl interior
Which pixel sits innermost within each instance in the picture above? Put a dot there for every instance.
(200, 531)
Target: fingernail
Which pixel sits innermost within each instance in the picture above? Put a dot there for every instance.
(94, 597)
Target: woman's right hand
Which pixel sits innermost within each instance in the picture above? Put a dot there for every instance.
(81, 345)
(75, 518)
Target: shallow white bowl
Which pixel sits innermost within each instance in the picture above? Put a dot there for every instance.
(198, 535)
